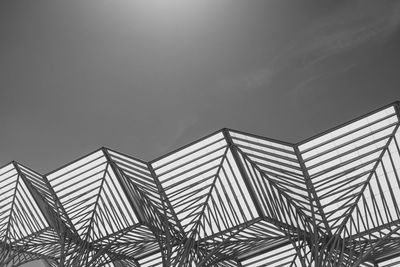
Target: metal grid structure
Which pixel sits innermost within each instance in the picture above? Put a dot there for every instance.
(229, 199)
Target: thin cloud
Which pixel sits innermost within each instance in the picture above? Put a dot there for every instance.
(247, 81)
(348, 27)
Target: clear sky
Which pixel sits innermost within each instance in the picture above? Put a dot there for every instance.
(145, 77)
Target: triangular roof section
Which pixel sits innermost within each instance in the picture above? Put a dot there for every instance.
(20, 215)
(205, 187)
(92, 197)
(275, 172)
(342, 162)
(138, 181)
(378, 206)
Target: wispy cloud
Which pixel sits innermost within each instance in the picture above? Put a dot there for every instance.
(350, 26)
(247, 81)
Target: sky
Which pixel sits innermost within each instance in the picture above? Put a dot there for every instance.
(145, 77)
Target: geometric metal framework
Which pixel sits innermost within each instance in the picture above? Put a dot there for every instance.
(228, 199)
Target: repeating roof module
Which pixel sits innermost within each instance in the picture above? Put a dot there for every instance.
(229, 199)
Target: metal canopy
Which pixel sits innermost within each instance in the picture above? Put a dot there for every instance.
(229, 199)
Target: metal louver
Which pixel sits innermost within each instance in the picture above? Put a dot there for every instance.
(229, 199)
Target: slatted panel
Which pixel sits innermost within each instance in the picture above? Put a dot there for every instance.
(181, 256)
(135, 243)
(90, 259)
(126, 263)
(392, 262)
(51, 263)
(276, 202)
(380, 202)
(45, 243)
(103, 261)
(284, 256)
(341, 162)
(154, 260)
(92, 197)
(187, 177)
(42, 186)
(227, 263)
(141, 186)
(246, 240)
(207, 192)
(384, 242)
(205, 187)
(138, 173)
(273, 166)
(20, 215)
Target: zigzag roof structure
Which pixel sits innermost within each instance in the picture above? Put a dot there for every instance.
(228, 199)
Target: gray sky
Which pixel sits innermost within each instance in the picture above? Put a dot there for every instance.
(145, 77)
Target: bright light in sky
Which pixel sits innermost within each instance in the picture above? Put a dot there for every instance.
(168, 5)
(159, 10)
